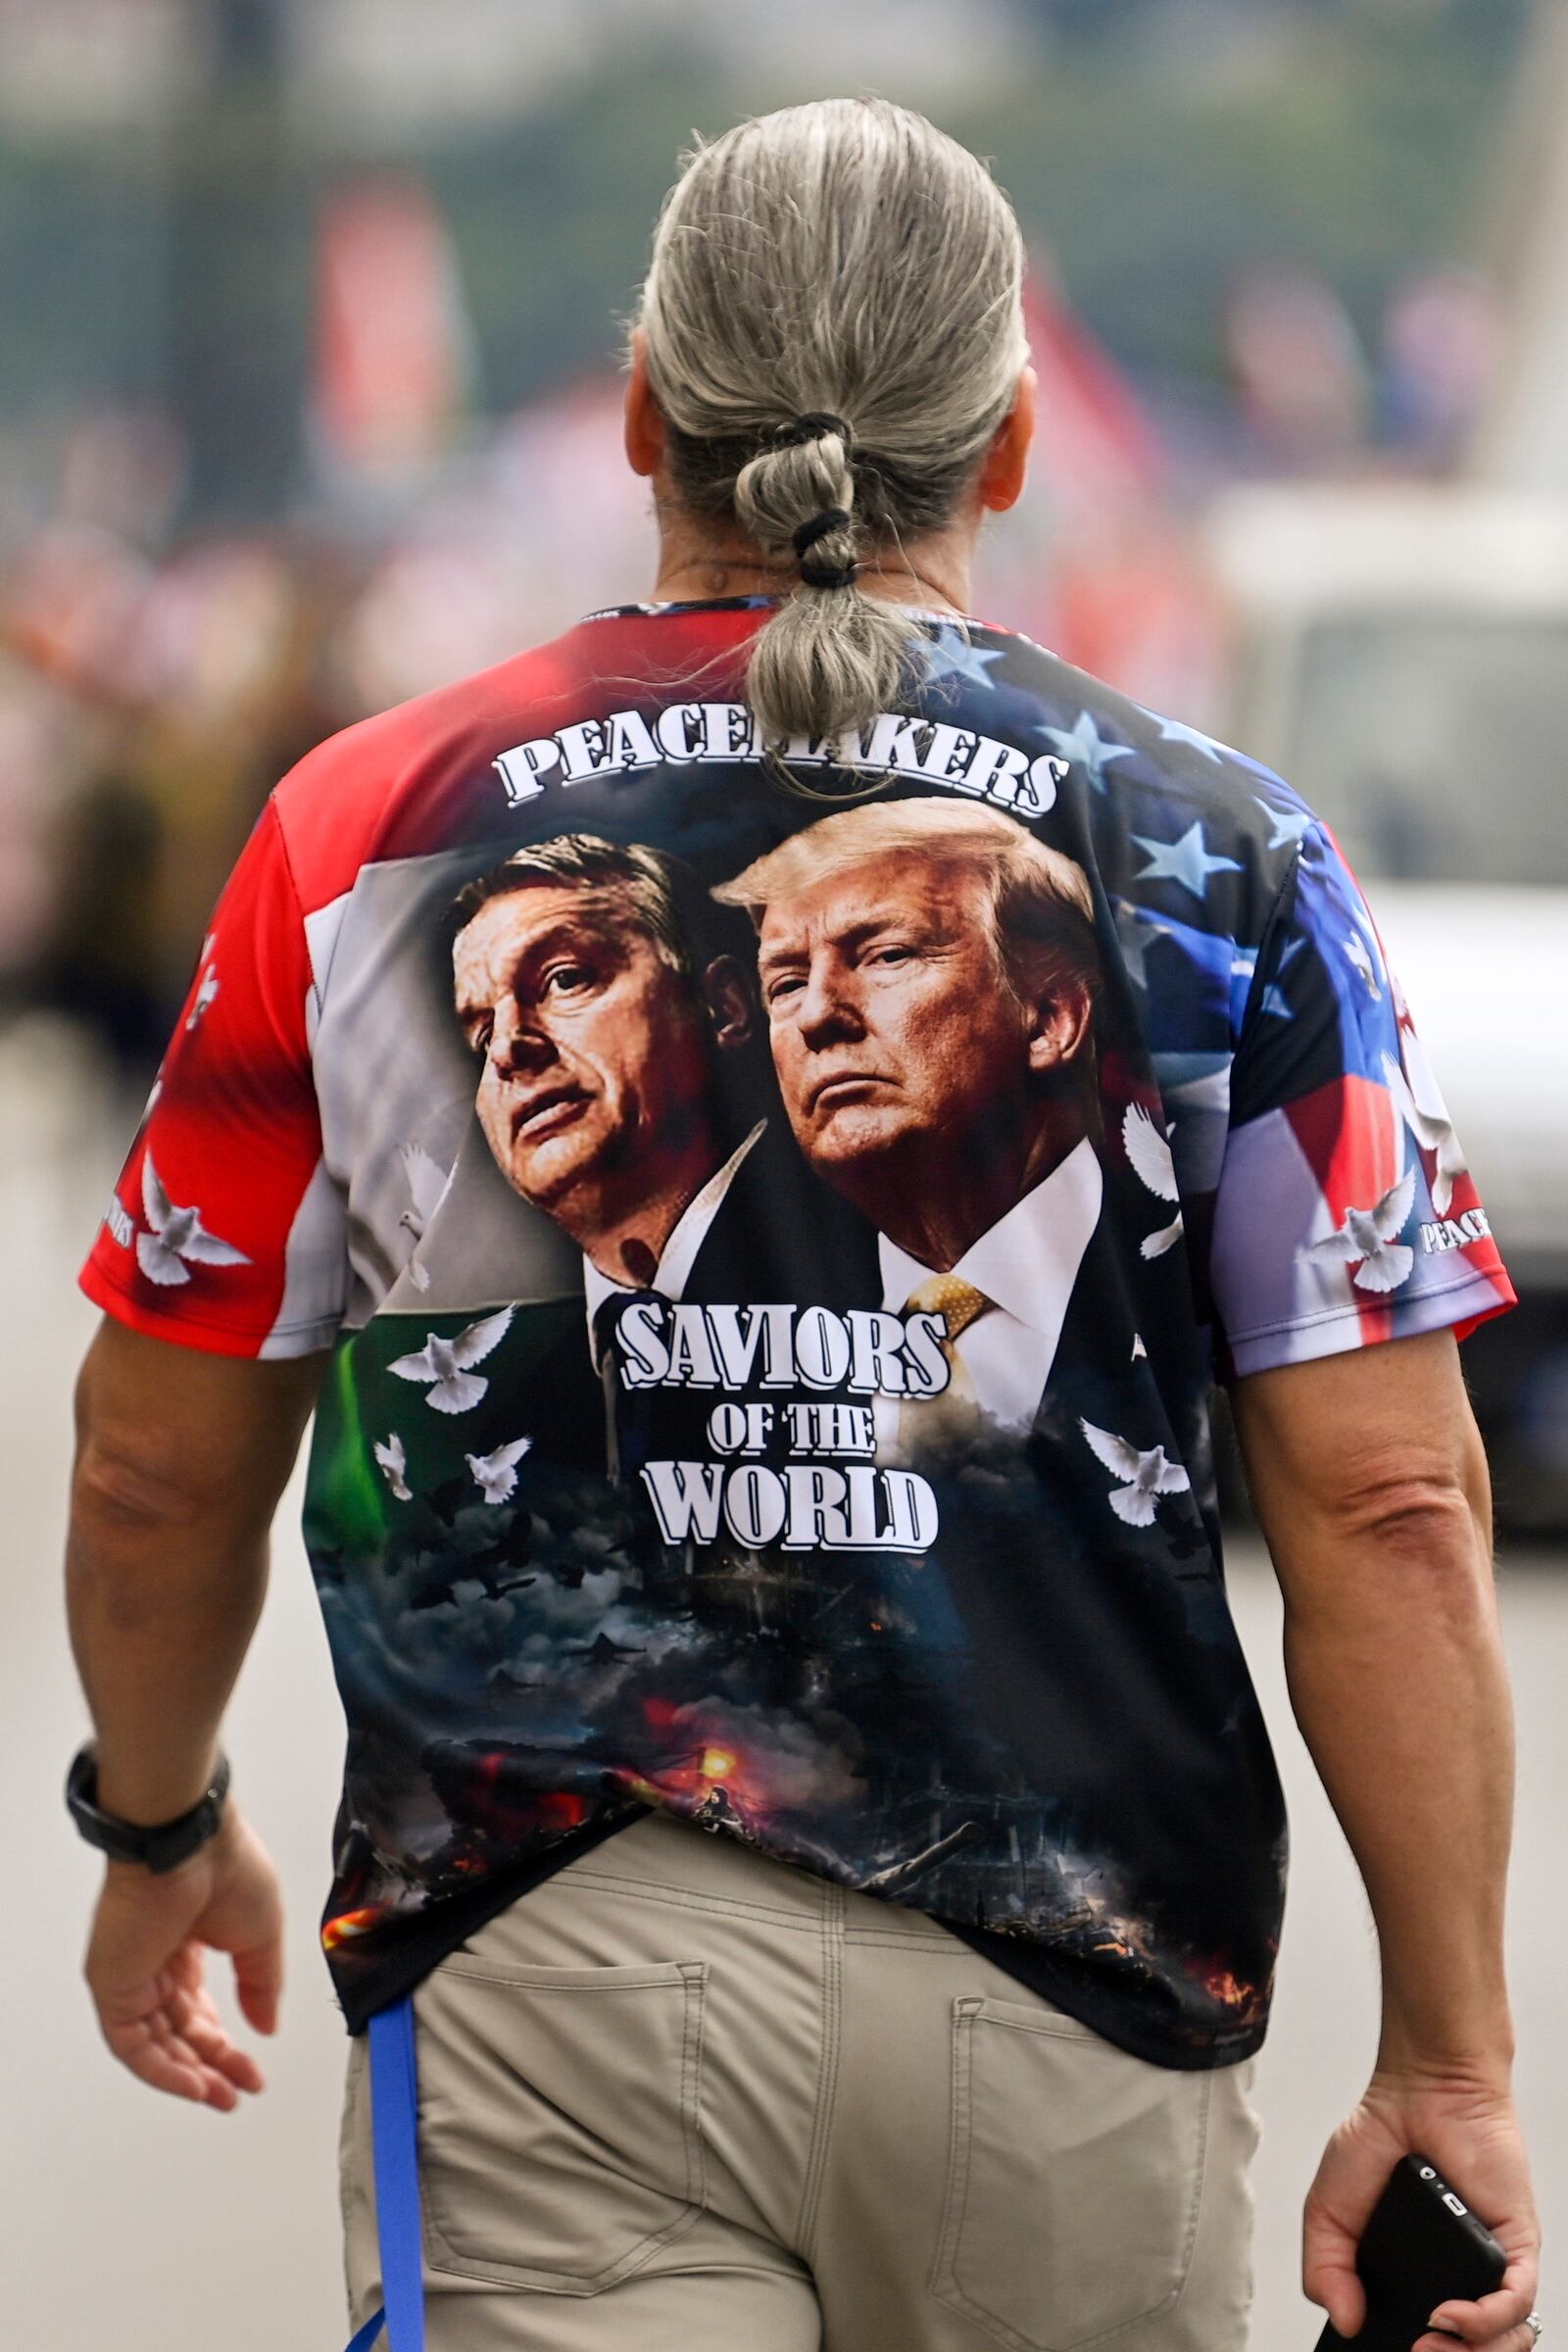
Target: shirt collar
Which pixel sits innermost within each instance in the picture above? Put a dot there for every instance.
(686, 1237)
(1028, 1261)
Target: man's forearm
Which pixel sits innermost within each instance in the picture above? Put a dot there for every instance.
(162, 1611)
(1370, 1483)
(180, 1458)
(1397, 1677)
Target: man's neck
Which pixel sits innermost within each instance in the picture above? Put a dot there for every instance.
(936, 1206)
(695, 564)
(626, 1247)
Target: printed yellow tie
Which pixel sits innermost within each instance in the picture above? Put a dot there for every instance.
(953, 1418)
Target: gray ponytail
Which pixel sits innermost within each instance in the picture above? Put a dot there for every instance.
(837, 265)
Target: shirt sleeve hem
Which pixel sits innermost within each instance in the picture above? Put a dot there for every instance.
(1338, 1330)
(187, 1330)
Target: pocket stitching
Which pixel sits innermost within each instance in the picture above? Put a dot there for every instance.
(471, 1969)
(440, 2253)
(1059, 2029)
(555, 2283)
(954, 2199)
(1205, 2105)
(945, 2284)
(695, 1974)
(690, 1898)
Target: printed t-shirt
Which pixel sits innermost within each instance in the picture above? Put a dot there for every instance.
(776, 1229)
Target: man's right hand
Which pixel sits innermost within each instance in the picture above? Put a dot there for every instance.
(145, 1965)
(1469, 2131)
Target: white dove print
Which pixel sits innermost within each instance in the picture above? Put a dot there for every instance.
(1428, 1121)
(497, 1473)
(177, 1234)
(427, 1180)
(446, 1363)
(394, 1462)
(1372, 1234)
(1150, 1156)
(1148, 1475)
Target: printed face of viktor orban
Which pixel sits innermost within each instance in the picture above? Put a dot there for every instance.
(594, 1054)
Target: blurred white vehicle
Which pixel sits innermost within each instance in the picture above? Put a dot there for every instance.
(1400, 654)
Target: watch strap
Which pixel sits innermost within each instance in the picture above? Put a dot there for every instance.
(157, 1847)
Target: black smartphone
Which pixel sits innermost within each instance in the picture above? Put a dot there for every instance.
(1422, 2246)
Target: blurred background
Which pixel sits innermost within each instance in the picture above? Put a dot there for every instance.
(310, 321)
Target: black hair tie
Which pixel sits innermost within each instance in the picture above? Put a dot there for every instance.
(814, 426)
(831, 519)
(820, 526)
(830, 575)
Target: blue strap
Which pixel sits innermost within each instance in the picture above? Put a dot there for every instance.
(395, 2134)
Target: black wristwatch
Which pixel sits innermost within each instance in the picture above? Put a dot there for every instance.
(160, 1848)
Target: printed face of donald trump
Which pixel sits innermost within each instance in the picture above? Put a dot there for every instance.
(884, 1010)
(909, 1060)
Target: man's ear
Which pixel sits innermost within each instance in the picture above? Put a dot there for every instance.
(645, 423)
(731, 1002)
(1061, 1020)
(1007, 461)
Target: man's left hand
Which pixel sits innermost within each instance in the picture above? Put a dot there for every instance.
(1469, 2131)
(145, 1966)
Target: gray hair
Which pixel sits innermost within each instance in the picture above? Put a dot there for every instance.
(840, 260)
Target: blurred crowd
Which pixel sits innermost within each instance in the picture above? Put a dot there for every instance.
(318, 408)
(159, 671)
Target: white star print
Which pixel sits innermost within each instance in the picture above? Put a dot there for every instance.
(1087, 748)
(1290, 825)
(948, 653)
(1173, 731)
(1186, 860)
(1138, 933)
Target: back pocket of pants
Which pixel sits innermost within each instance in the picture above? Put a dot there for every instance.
(1074, 2175)
(560, 2132)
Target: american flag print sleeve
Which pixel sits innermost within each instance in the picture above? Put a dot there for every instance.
(224, 1231)
(1347, 1213)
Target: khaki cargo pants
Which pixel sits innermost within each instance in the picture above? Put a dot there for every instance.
(683, 2099)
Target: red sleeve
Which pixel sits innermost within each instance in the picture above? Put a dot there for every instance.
(224, 1231)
